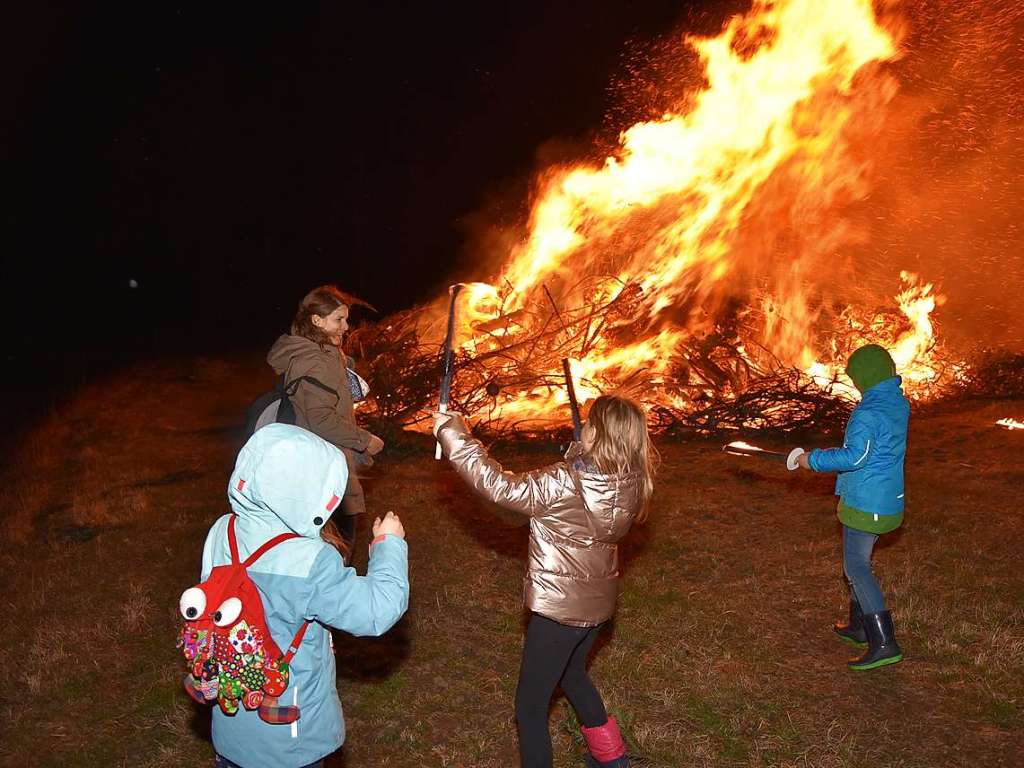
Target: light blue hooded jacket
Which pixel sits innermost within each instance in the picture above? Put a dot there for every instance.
(870, 463)
(290, 476)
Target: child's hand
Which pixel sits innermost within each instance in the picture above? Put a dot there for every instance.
(440, 419)
(375, 445)
(803, 460)
(390, 524)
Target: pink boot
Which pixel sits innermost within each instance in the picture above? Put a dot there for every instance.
(605, 745)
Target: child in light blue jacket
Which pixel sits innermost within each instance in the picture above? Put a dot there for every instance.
(871, 496)
(287, 479)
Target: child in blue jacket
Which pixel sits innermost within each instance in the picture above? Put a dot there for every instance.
(871, 496)
(287, 479)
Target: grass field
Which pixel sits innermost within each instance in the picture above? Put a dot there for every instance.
(721, 653)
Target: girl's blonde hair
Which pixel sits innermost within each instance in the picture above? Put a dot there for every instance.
(332, 536)
(622, 443)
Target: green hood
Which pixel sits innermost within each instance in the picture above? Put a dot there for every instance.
(870, 365)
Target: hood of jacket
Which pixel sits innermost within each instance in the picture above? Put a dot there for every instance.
(603, 495)
(870, 365)
(287, 478)
(889, 391)
(288, 347)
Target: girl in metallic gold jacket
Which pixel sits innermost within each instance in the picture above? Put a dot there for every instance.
(579, 509)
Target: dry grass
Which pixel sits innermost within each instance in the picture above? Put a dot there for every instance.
(27, 478)
(720, 654)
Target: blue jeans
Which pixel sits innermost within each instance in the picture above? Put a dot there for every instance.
(223, 762)
(857, 546)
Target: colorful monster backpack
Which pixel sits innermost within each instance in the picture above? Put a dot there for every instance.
(231, 656)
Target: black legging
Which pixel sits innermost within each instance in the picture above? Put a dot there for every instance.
(553, 652)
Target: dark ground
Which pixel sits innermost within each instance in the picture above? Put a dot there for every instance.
(720, 654)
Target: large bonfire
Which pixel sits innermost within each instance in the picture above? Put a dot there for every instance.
(696, 267)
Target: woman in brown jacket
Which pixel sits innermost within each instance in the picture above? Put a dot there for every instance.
(311, 354)
(579, 509)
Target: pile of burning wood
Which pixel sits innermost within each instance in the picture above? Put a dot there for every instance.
(509, 377)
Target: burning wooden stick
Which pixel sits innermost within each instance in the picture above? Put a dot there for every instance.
(570, 387)
(740, 448)
(574, 406)
(447, 365)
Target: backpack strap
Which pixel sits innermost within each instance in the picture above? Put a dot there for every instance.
(293, 385)
(296, 642)
(232, 541)
(267, 545)
(260, 551)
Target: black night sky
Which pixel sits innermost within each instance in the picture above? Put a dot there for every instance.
(228, 158)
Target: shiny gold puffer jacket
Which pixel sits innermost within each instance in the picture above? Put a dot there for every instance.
(576, 518)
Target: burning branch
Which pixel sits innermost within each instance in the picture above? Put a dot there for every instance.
(512, 381)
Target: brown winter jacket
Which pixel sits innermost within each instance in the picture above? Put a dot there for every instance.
(330, 417)
(576, 519)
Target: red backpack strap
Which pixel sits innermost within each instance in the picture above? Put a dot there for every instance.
(232, 541)
(267, 545)
(296, 642)
(262, 550)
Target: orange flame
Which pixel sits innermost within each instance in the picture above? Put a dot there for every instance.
(691, 205)
(913, 346)
(709, 163)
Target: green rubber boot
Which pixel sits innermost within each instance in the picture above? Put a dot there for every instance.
(882, 646)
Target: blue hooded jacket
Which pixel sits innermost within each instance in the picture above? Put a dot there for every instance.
(870, 463)
(290, 478)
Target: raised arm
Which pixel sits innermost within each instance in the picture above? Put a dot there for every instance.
(362, 605)
(857, 446)
(528, 493)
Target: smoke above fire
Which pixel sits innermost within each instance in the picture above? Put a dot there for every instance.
(731, 235)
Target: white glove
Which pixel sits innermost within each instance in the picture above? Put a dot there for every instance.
(791, 460)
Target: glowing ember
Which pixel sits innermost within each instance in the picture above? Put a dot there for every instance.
(1011, 423)
(743, 445)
